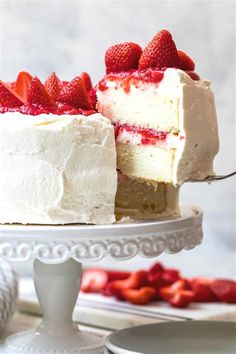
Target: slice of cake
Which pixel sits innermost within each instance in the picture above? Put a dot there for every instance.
(57, 155)
(143, 201)
(163, 113)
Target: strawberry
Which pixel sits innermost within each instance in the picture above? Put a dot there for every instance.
(75, 94)
(52, 85)
(170, 276)
(193, 75)
(86, 80)
(168, 292)
(22, 84)
(202, 290)
(9, 97)
(94, 280)
(225, 290)
(160, 52)
(156, 268)
(117, 275)
(135, 281)
(185, 62)
(93, 97)
(139, 296)
(182, 298)
(37, 93)
(122, 57)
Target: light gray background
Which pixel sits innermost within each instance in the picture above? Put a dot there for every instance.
(71, 36)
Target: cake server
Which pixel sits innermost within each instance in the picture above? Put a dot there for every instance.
(212, 178)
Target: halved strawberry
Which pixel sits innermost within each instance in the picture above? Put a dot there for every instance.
(193, 75)
(117, 275)
(94, 280)
(139, 296)
(53, 85)
(156, 268)
(135, 281)
(86, 80)
(202, 290)
(170, 276)
(160, 52)
(185, 62)
(182, 298)
(22, 84)
(225, 290)
(38, 94)
(122, 57)
(75, 94)
(8, 97)
(168, 292)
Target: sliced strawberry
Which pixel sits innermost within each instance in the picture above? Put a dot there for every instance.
(193, 75)
(160, 52)
(202, 290)
(185, 62)
(93, 97)
(225, 290)
(86, 80)
(38, 94)
(53, 85)
(156, 268)
(22, 84)
(168, 292)
(155, 280)
(139, 296)
(170, 276)
(8, 97)
(94, 280)
(122, 57)
(182, 298)
(75, 94)
(117, 275)
(135, 281)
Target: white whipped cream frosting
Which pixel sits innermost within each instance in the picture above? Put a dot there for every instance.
(57, 169)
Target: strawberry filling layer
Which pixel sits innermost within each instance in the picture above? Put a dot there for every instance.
(134, 77)
(129, 134)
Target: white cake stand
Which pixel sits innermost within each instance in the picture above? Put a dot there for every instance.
(58, 253)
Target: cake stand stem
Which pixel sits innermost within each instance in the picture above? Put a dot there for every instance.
(57, 287)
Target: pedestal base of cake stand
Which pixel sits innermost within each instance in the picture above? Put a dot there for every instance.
(57, 287)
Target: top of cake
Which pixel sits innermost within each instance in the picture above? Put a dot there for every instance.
(28, 95)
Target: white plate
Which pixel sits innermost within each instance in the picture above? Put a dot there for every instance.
(188, 337)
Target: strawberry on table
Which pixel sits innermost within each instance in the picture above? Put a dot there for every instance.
(202, 290)
(182, 298)
(94, 280)
(170, 276)
(135, 281)
(38, 94)
(224, 289)
(75, 94)
(160, 52)
(122, 57)
(140, 296)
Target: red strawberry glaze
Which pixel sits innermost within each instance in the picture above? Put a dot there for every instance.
(36, 109)
(134, 77)
(149, 136)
